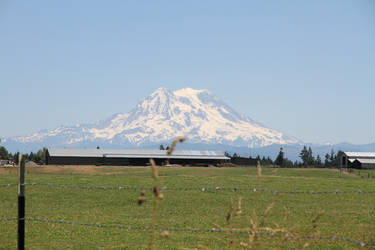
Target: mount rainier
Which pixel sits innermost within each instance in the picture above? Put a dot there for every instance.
(161, 117)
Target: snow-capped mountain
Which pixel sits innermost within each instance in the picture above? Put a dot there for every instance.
(161, 117)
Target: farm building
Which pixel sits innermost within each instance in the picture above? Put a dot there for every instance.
(132, 157)
(360, 160)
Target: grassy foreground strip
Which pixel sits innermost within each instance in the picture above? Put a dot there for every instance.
(345, 215)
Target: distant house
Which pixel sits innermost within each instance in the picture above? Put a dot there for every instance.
(360, 160)
(6, 163)
(134, 157)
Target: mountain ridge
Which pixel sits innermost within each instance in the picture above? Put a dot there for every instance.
(208, 122)
(160, 117)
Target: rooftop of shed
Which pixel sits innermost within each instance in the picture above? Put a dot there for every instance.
(136, 153)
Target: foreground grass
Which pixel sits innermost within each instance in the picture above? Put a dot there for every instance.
(342, 215)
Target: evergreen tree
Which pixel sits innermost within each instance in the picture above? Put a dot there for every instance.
(30, 157)
(280, 158)
(333, 158)
(327, 162)
(161, 147)
(287, 163)
(269, 161)
(339, 158)
(4, 154)
(15, 157)
(40, 156)
(318, 162)
(258, 159)
(304, 155)
(310, 158)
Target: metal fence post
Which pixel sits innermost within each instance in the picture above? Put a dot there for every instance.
(21, 203)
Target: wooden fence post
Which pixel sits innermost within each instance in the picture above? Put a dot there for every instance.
(21, 203)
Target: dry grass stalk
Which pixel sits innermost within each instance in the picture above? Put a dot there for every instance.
(217, 226)
(239, 211)
(243, 244)
(268, 210)
(158, 197)
(315, 222)
(165, 234)
(259, 167)
(157, 193)
(253, 232)
(154, 169)
(170, 150)
(229, 222)
(202, 247)
(154, 219)
(142, 197)
(273, 230)
(229, 214)
(285, 215)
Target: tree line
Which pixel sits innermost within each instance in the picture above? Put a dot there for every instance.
(38, 157)
(307, 159)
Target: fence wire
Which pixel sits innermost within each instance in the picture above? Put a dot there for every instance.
(7, 185)
(203, 189)
(8, 219)
(194, 230)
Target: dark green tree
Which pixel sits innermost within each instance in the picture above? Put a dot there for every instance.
(40, 156)
(318, 162)
(304, 155)
(280, 158)
(161, 147)
(287, 163)
(310, 158)
(258, 159)
(327, 161)
(15, 157)
(339, 157)
(333, 158)
(4, 154)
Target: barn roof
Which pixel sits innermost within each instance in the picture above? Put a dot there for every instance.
(360, 154)
(136, 153)
(366, 161)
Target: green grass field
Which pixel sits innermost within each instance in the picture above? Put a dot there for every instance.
(348, 215)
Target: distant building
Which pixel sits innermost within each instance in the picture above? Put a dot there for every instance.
(360, 160)
(6, 163)
(134, 157)
(243, 161)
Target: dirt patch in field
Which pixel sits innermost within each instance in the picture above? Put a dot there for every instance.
(8, 170)
(345, 173)
(78, 169)
(89, 170)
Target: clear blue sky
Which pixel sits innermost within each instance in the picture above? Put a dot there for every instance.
(306, 68)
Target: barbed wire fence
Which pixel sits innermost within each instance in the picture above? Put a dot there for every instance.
(197, 188)
(191, 230)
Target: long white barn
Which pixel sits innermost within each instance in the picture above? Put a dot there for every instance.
(361, 160)
(126, 157)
